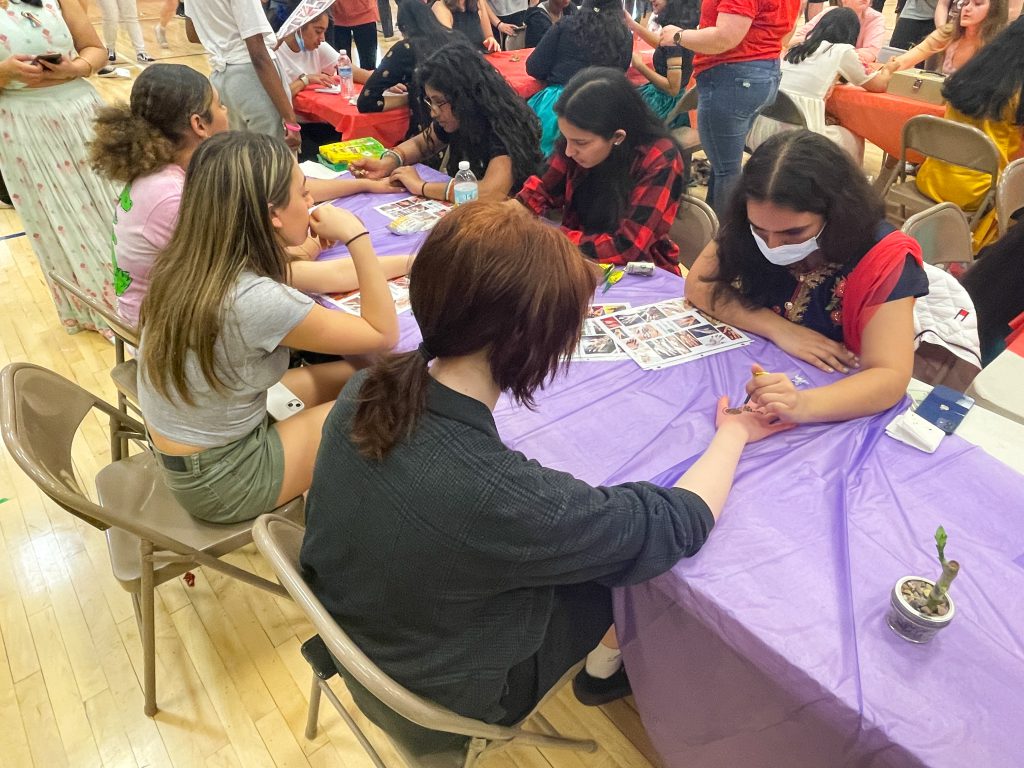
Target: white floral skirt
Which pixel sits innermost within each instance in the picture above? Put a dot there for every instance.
(67, 209)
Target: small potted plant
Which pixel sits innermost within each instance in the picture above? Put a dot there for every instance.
(921, 607)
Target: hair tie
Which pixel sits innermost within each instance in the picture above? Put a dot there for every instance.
(427, 354)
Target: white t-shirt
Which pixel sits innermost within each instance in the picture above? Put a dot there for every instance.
(295, 63)
(223, 26)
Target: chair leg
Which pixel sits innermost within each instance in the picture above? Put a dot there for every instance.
(314, 709)
(147, 629)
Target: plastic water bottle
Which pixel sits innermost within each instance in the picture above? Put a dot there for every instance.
(345, 74)
(465, 184)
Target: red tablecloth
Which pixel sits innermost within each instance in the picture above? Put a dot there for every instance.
(390, 127)
(878, 117)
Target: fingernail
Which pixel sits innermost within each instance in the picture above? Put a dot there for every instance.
(828, 370)
(845, 370)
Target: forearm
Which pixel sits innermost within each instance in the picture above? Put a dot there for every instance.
(436, 190)
(377, 307)
(712, 474)
(760, 320)
(862, 394)
(330, 189)
(339, 275)
(295, 86)
(708, 40)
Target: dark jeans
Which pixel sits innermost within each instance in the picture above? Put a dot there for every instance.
(387, 26)
(909, 32)
(366, 42)
(729, 98)
(879, 4)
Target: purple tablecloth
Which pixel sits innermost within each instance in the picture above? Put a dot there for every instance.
(770, 647)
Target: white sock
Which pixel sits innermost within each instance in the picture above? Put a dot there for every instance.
(603, 662)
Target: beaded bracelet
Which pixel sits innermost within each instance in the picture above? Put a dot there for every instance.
(396, 154)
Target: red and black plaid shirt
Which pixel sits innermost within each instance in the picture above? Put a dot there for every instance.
(642, 233)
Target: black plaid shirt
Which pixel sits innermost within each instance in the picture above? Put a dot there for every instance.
(441, 561)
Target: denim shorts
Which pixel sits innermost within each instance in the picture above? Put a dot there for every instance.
(232, 482)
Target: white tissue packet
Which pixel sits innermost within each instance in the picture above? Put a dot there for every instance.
(915, 431)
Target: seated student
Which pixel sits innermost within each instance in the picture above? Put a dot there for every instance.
(207, 362)
(673, 64)
(870, 38)
(996, 285)
(469, 17)
(616, 173)
(596, 36)
(543, 16)
(806, 259)
(478, 116)
(986, 93)
(147, 145)
(810, 70)
(423, 34)
(978, 23)
(498, 569)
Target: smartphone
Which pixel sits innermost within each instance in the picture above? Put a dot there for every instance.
(945, 408)
(49, 58)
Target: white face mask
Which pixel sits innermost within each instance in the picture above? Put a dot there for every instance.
(784, 255)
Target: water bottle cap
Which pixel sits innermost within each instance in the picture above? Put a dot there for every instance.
(463, 165)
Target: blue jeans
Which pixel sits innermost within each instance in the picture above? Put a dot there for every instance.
(729, 97)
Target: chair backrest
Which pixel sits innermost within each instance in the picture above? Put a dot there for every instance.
(943, 232)
(955, 143)
(516, 42)
(280, 541)
(1009, 194)
(125, 331)
(687, 103)
(785, 110)
(694, 227)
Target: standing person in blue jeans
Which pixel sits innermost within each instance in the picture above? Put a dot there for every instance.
(737, 51)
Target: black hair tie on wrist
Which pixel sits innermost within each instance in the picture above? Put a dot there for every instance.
(426, 353)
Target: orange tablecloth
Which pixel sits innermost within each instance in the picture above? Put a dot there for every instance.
(877, 117)
(389, 128)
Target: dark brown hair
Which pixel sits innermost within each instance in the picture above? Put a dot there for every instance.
(490, 276)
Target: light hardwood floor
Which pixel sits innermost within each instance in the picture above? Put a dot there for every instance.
(232, 686)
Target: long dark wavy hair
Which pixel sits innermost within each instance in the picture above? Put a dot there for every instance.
(804, 172)
(992, 79)
(840, 25)
(485, 106)
(600, 30)
(684, 14)
(602, 101)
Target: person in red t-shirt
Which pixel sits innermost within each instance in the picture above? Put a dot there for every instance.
(738, 47)
(356, 19)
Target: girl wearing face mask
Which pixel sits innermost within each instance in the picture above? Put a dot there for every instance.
(806, 259)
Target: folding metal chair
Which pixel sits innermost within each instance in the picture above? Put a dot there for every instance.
(694, 227)
(280, 541)
(150, 538)
(943, 232)
(1009, 194)
(951, 142)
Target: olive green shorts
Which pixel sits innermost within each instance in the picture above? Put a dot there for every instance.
(230, 483)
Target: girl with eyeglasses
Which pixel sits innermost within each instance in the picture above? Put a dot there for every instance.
(806, 259)
(477, 116)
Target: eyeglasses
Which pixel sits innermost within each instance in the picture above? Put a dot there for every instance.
(436, 105)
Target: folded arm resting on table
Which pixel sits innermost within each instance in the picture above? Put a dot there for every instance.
(883, 368)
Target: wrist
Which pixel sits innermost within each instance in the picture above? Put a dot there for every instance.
(304, 79)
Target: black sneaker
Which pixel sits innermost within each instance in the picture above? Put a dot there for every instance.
(108, 71)
(594, 691)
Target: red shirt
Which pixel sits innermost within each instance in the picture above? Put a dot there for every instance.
(771, 21)
(352, 13)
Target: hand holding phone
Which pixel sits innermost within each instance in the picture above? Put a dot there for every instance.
(48, 58)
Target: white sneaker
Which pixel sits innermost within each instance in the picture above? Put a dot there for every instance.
(161, 36)
(144, 58)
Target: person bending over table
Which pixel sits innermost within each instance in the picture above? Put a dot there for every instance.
(206, 363)
(477, 116)
(809, 72)
(737, 68)
(978, 24)
(470, 17)
(498, 569)
(595, 37)
(985, 94)
(423, 34)
(541, 17)
(616, 173)
(147, 145)
(806, 259)
(673, 64)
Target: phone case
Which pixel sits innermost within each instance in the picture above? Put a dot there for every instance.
(945, 408)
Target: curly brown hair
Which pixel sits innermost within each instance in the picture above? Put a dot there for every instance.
(134, 140)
